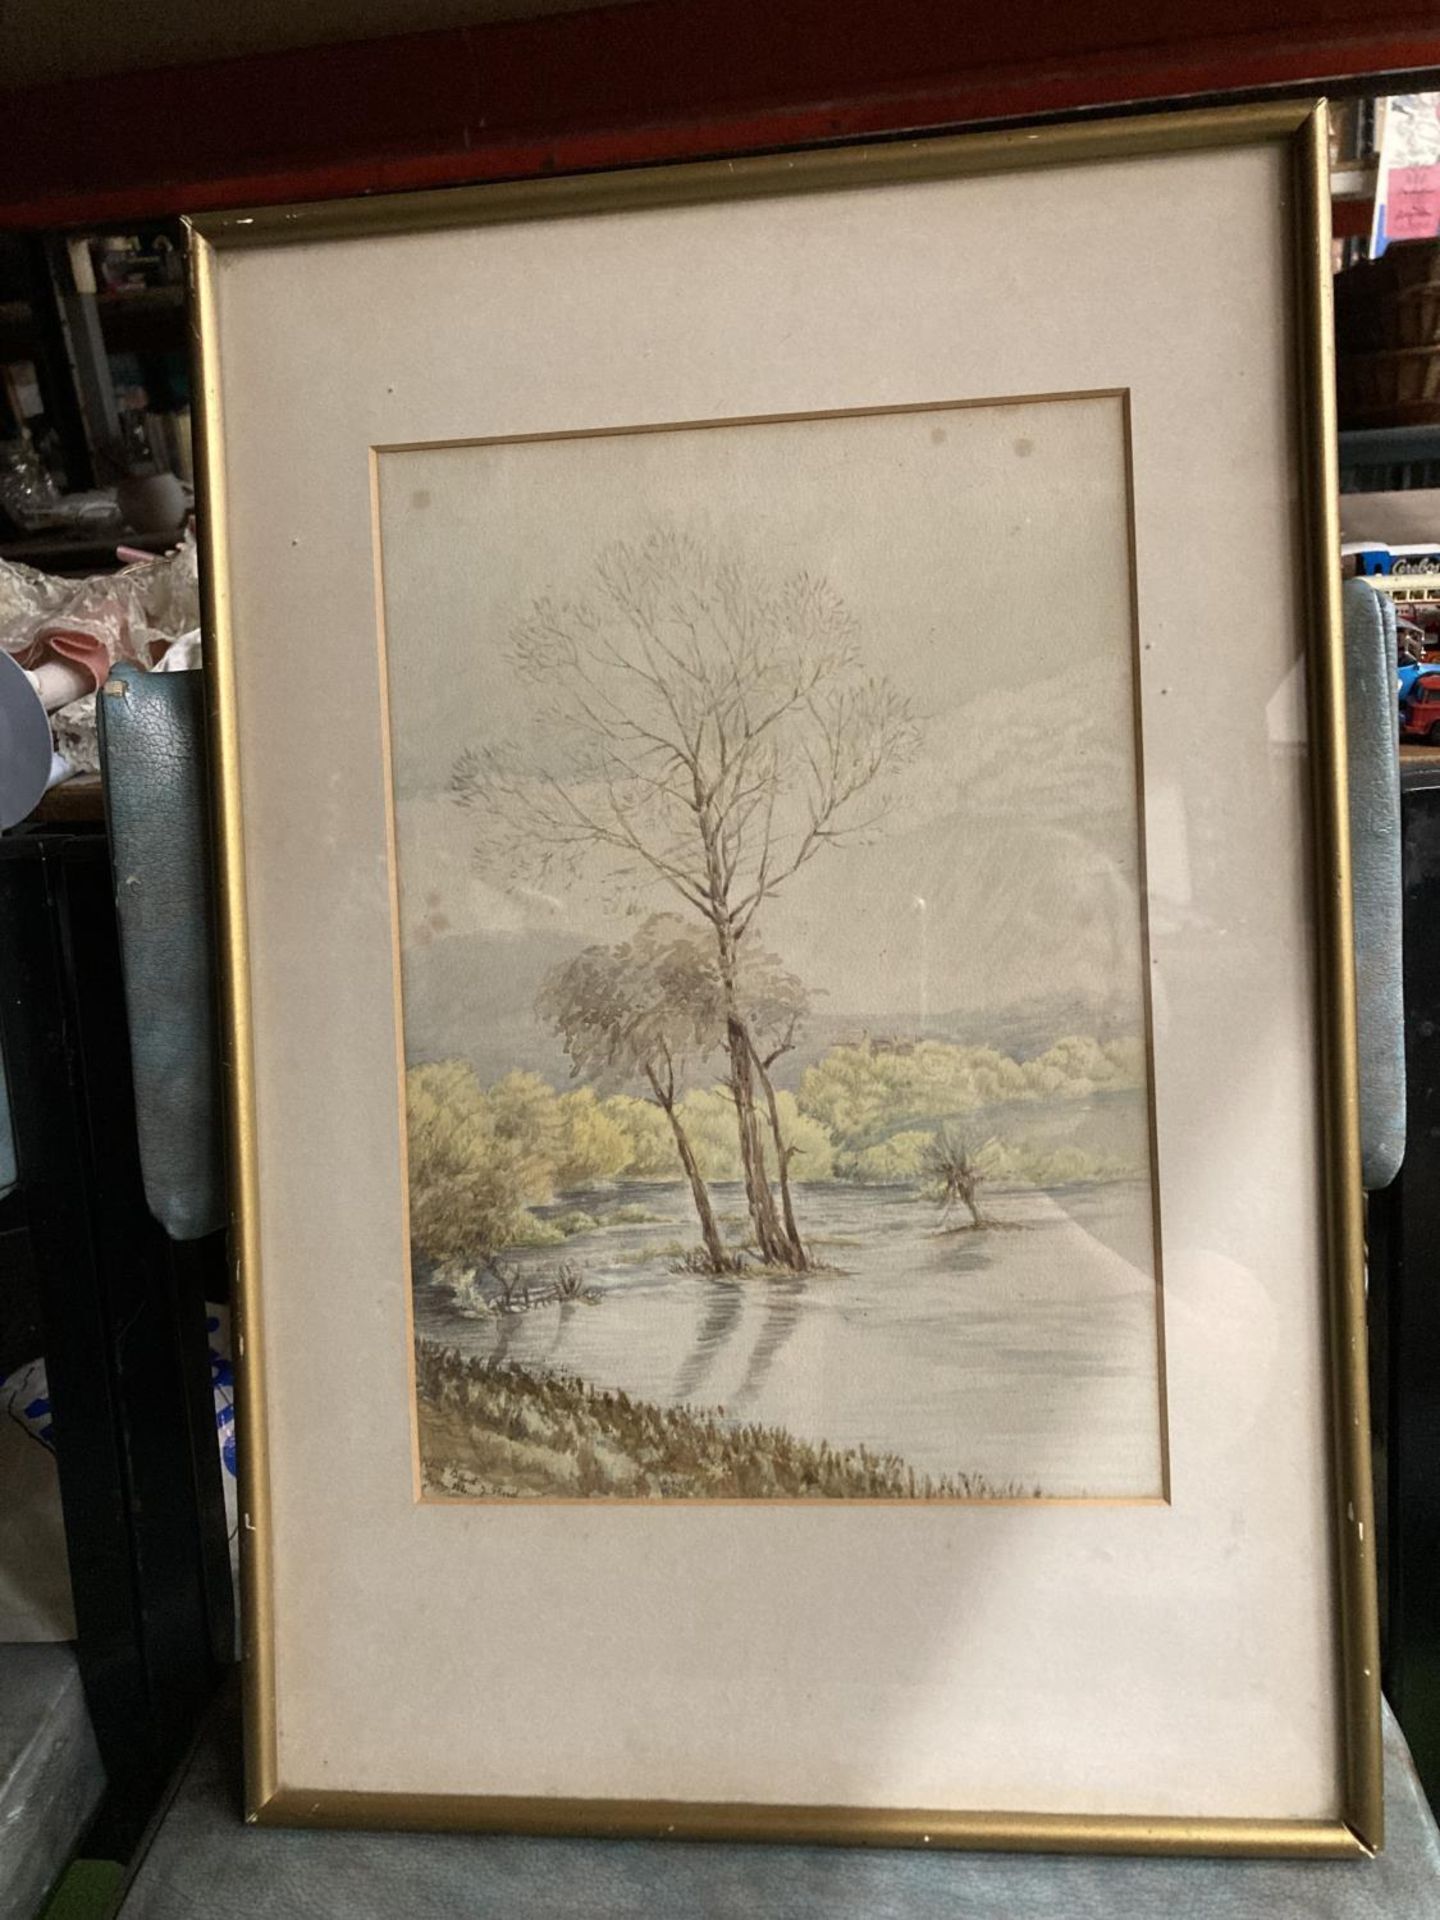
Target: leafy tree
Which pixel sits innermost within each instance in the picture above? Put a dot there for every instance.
(468, 1183)
(863, 1092)
(896, 1161)
(808, 1148)
(523, 1114)
(708, 1115)
(650, 1007)
(590, 1143)
(1022, 1163)
(649, 1138)
(642, 1010)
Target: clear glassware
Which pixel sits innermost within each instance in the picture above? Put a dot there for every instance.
(27, 492)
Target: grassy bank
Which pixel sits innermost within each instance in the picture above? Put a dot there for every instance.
(489, 1431)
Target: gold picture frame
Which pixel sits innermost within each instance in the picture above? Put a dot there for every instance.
(1355, 1828)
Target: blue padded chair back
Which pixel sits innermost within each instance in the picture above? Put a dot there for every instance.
(152, 746)
(1373, 727)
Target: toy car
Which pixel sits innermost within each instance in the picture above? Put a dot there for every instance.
(1374, 560)
(1420, 711)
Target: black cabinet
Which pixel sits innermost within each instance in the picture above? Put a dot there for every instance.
(1405, 1313)
(121, 1313)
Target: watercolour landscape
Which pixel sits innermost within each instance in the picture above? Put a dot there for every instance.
(772, 959)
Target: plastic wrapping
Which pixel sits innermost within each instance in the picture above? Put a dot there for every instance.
(34, 1580)
(138, 614)
(69, 634)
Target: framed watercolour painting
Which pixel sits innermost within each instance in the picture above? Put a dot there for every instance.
(781, 778)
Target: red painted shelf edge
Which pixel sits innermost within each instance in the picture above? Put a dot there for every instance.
(660, 80)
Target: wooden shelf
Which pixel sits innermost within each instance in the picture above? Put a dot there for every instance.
(54, 551)
(140, 299)
(1381, 459)
(82, 797)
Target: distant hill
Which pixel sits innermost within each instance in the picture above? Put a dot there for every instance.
(1030, 1026)
(471, 997)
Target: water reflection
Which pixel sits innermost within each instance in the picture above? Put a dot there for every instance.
(722, 1317)
(781, 1316)
(564, 1313)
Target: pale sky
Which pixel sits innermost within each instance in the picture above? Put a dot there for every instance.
(984, 552)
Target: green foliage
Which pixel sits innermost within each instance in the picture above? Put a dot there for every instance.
(1076, 1066)
(1022, 1163)
(522, 1116)
(708, 1116)
(588, 1143)
(862, 1094)
(648, 1136)
(814, 1150)
(905, 1160)
(469, 1183)
(897, 1161)
(573, 1221)
(481, 1158)
(530, 1232)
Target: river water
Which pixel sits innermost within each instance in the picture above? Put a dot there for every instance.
(1027, 1353)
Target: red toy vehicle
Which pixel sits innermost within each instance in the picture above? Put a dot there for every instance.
(1420, 715)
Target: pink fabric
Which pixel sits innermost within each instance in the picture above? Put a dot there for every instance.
(91, 625)
(85, 650)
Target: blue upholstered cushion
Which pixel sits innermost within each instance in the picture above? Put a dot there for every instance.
(152, 741)
(1372, 724)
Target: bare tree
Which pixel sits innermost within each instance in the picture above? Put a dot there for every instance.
(951, 1164)
(704, 730)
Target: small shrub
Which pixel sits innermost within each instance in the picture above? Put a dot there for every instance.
(530, 1232)
(630, 1215)
(574, 1221)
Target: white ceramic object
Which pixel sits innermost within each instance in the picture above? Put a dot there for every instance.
(152, 502)
(25, 746)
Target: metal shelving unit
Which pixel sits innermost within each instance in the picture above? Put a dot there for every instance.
(1389, 459)
(57, 317)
